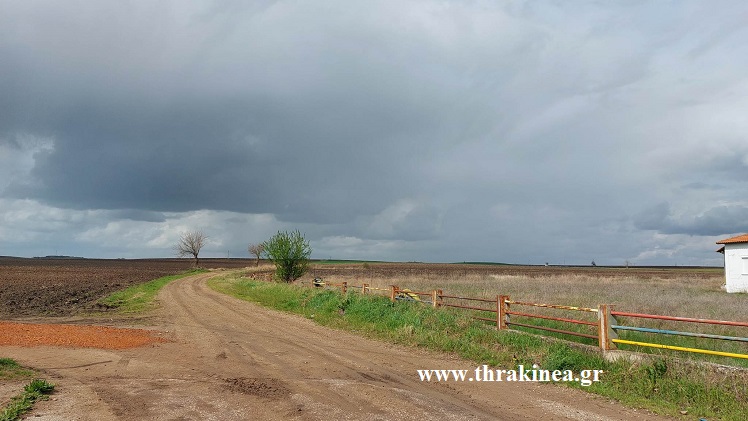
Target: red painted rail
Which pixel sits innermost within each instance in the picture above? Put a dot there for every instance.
(567, 332)
(558, 319)
(467, 298)
(468, 307)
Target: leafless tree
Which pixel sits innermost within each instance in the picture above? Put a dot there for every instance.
(190, 244)
(257, 250)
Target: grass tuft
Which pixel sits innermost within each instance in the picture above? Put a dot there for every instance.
(19, 405)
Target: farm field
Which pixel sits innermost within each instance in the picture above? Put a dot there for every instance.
(64, 287)
(243, 360)
(658, 290)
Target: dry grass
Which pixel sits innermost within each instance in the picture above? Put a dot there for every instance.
(677, 292)
(682, 296)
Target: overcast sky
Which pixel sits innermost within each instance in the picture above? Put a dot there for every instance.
(438, 131)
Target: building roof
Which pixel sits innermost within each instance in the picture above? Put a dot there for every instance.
(739, 239)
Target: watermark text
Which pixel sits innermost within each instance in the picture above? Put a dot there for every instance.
(520, 374)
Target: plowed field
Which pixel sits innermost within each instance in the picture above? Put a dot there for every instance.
(62, 287)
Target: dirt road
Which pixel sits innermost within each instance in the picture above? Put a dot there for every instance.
(232, 360)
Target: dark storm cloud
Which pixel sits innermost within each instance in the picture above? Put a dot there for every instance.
(298, 130)
(510, 131)
(718, 220)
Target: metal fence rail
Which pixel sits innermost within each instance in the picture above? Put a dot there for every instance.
(572, 308)
(681, 348)
(675, 332)
(558, 319)
(606, 324)
(550, 329)
(679, 319)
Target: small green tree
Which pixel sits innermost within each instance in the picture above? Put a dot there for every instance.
(290, 252)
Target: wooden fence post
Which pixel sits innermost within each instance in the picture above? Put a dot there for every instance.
(605, 332)
(503, 307)
(439, 298)
(393, 292)
(498, 311)
(363, 288)
(434, 296)
(344, 287)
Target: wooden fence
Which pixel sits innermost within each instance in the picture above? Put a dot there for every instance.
(603, 327)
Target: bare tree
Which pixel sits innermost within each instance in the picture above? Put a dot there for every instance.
(257, 250)
(190, 244)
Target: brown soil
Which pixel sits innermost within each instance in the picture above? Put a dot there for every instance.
(228, 359)
(63, 287)
(74, 336)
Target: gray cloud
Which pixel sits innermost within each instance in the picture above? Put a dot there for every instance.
(520, 132)
(715, 221)
(137, 215)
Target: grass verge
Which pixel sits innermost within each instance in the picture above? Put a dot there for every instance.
(662, 384)
(33, 391)
(11, 370)
(138, 298)
(37, 389)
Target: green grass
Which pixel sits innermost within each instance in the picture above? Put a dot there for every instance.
(662, 384)
(139, 298)
(37, 389)
(688, 292)
(11, 370)
(33, 391)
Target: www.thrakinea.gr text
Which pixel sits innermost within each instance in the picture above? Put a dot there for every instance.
(520, 374)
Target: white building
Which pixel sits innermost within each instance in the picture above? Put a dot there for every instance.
(735, 250)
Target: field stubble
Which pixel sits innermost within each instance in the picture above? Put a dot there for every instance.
(685, 292)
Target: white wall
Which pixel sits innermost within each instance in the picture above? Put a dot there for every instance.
(736, 267)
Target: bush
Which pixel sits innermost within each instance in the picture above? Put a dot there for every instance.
(290, 252)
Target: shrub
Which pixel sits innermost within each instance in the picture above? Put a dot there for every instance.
(290, 252)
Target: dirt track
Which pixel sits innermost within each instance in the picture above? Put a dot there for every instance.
(232, 360)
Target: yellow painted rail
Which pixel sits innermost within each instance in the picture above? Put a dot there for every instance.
(606, 324)
(680, 348)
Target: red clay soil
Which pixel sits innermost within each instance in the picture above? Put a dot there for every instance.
(74, 336)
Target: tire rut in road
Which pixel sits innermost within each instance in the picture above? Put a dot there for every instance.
(335, 371)
(310, 358)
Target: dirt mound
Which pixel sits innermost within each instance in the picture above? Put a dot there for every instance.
(266, 388)
(74, 336)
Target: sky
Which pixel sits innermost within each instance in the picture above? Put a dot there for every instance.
(524, 132)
